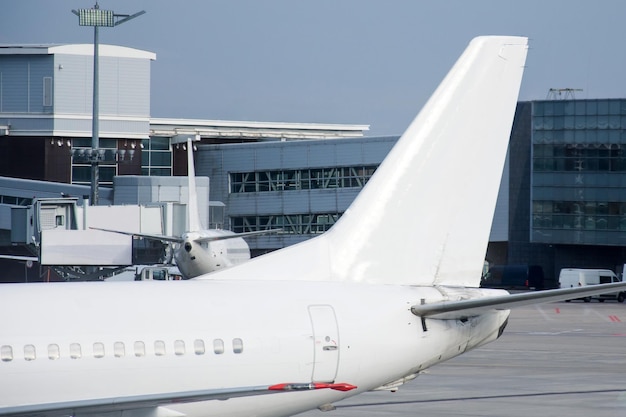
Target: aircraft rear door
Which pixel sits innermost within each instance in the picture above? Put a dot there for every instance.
(326, 343)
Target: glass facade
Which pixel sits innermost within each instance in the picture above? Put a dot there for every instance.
(301, 179)
(156, 157)
(308, 224)
(295, 179)
(81, 167)
(579, 172)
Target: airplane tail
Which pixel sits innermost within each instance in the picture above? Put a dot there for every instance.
(424, 217)
(193, 213)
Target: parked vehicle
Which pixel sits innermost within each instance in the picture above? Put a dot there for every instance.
(573, 277)
(514, 277)
(147, 273)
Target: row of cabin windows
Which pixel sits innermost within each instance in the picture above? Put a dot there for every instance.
(119, 349)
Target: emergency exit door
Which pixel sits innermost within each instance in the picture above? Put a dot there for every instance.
(326, 343)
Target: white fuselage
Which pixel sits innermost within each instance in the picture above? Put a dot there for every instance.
(197, 258)
(87, 340)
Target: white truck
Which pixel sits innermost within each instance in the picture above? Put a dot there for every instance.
(573, 277)
(147, 273)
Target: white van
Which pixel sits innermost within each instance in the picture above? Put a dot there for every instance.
(571, 277)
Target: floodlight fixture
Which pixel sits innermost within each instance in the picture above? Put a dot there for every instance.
(96, 17)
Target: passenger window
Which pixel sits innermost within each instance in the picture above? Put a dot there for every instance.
(198, 346)
(237, 345)
(119, 350)
(30, 353)
(218, 346)
(140, 349)
(159, 348)
(6, 353)
(76, 351)
(98, 350)
(179, 347)
(54, 352)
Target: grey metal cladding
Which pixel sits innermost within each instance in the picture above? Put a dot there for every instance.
(374, 151)
(268, 156)
(345, 198)
(73, 84)
(243, 204)
(324, 201)
(349, 153)
(109, 87)
(296, 156)
(31, 124)
(22, 83)
(268, 203)
(323, 155)
(128, 95)
(243, 160)
(39, 67)
(211, 164)
(296, 202)
(134, 88)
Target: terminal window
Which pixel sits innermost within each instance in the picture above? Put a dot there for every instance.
(301, 179)
(307, 223)
(156, 157)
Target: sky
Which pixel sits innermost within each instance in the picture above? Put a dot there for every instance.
(335, 61)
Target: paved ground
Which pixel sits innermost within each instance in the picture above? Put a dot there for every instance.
(554, 360)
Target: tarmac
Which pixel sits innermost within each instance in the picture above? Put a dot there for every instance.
(553, 360)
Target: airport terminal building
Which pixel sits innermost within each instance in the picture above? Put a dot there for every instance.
(567, 188)
(562, 201)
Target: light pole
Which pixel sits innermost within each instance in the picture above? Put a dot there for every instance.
(97, 17)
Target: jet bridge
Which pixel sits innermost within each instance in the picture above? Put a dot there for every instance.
(58, 232)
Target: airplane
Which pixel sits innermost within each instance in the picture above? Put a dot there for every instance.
(389, 291)
(200, 251)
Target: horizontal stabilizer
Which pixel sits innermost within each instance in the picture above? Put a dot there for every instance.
(163, 238)
(472, 307)
(235, 235)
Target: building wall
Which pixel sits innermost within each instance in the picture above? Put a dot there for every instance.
(579, 172)
(46, 101)
(500, 225)
(292, 204)
(520, 251)
(567, 179)
(22, 83)
(124, 90)
(73, 76)
(124, 85)
(56, 85)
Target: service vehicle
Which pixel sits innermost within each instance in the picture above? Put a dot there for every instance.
(575, 277)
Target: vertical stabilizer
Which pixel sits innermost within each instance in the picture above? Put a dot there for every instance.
(424, 217)
(193, 214)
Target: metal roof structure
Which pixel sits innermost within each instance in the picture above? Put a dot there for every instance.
(225, 129)
(85, 49)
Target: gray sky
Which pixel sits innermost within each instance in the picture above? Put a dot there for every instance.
(333, 61)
